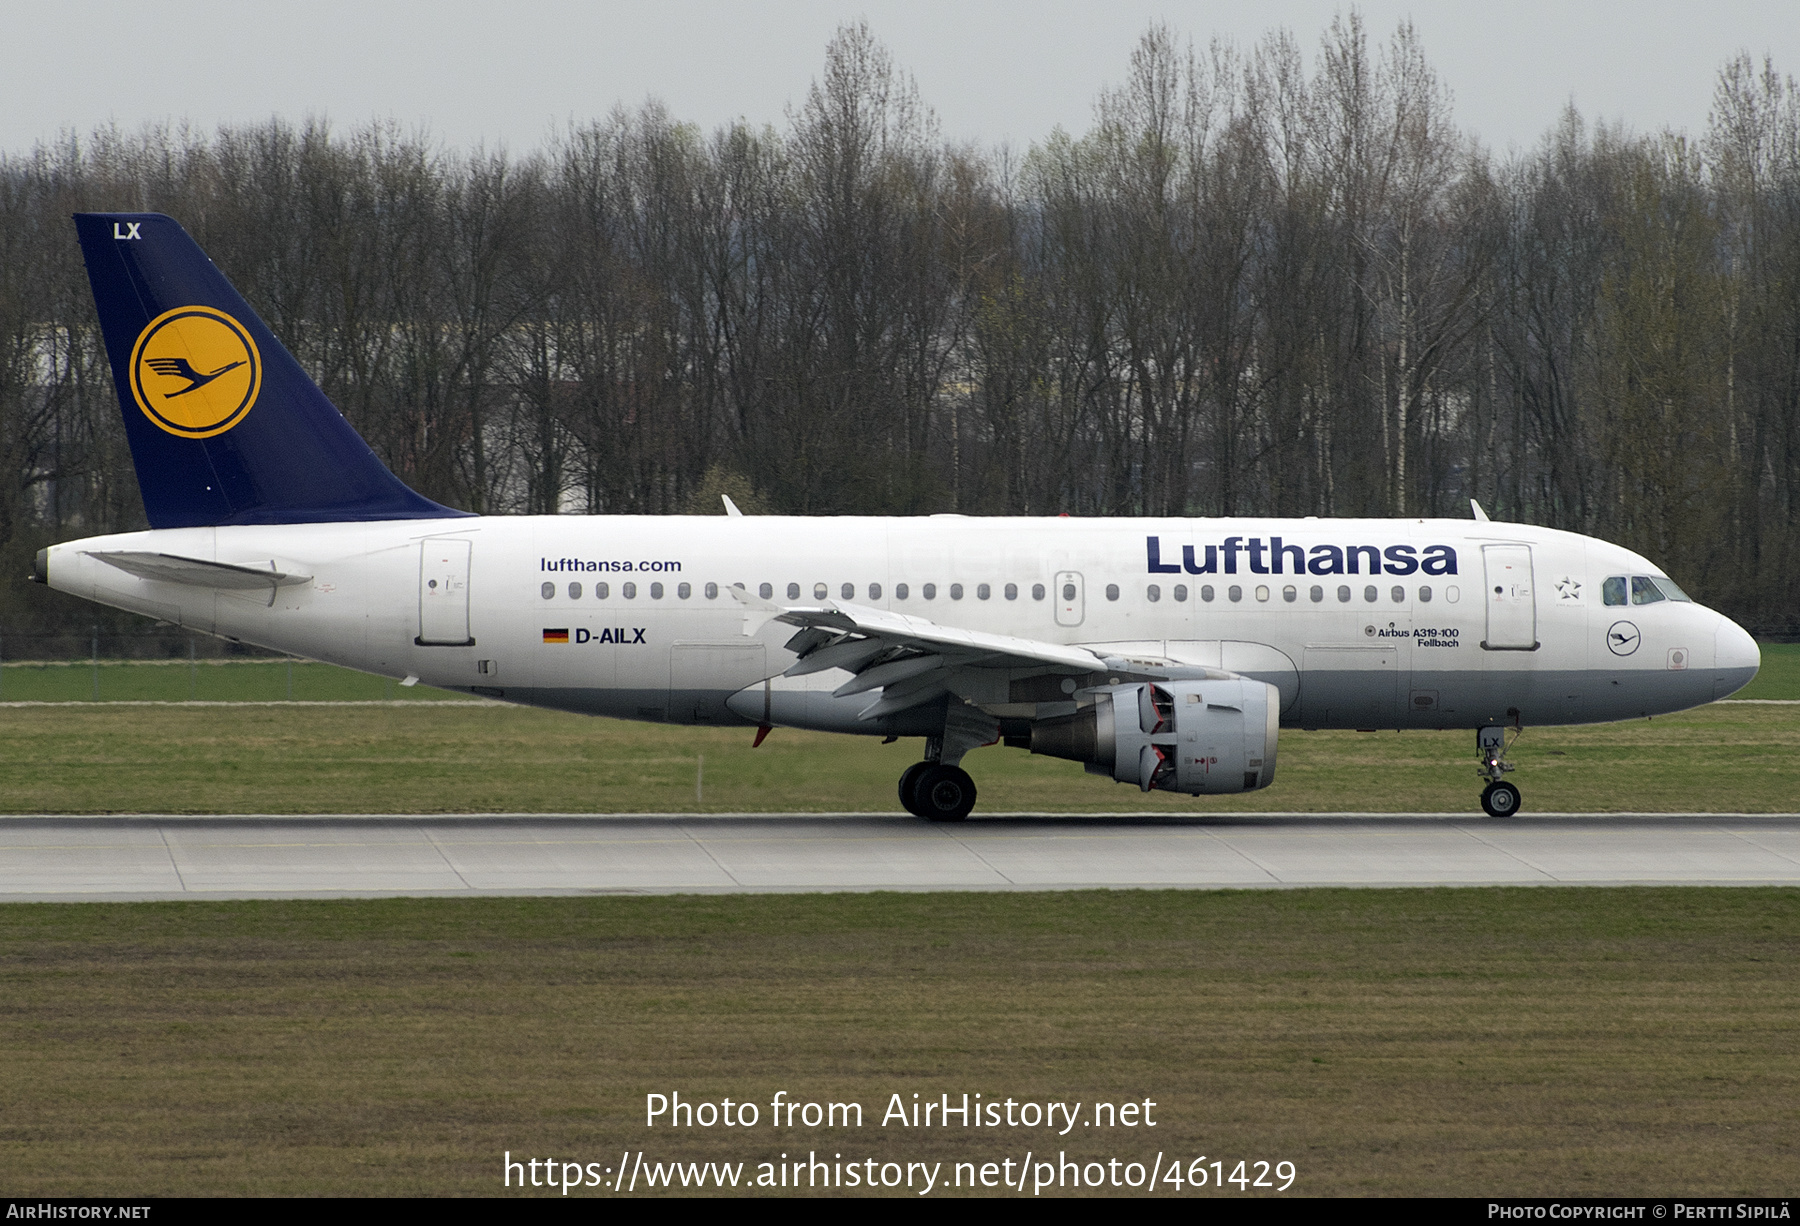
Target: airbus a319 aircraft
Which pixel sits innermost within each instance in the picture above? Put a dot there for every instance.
(1164, 653)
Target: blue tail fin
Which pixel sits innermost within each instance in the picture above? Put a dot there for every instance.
(225, 426)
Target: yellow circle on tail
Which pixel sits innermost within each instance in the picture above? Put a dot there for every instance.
(195, 371)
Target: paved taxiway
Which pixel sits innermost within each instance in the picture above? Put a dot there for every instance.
(96, 858)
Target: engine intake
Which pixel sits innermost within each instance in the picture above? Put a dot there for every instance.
(1197, 737)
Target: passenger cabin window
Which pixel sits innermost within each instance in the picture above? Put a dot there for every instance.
(928, 591)
(1037, 591)
(793, 591)
(548, 591)
(1012, 591)
(1154, 593)
(1181, 593)
(983, 591)
(1613, 590)
(899, 591)
(766, 590)
(956, 591)
(712, 591)
(628, 591)
(847, 592)
(684, 590)
(601, 591)
(1112, 591)
(574, 591)
(875, 591)
(820, 591)
(1206, 592)
(656, 591)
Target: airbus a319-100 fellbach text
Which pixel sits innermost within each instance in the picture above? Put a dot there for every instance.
(1165, 653)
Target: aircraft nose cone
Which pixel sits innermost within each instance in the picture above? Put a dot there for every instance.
(1736, 657)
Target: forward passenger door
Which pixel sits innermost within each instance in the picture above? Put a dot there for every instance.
(1511, 600)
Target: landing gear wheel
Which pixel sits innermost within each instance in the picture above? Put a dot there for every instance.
(1500, 800)
(944, 794)
(909, 783)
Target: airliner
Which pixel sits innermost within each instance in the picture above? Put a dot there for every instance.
(1166, 653)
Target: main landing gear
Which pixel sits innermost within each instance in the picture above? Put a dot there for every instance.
(1499, 798)
(936, 791)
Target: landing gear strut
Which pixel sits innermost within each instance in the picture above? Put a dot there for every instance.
(1499, 798)
(936, 791)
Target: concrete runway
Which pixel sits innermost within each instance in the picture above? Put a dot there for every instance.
(151, 857)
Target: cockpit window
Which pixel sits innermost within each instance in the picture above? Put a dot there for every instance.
(1644, 590)
(1668, 588)
(1613, 590)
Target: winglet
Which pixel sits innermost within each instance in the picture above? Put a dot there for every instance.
(731, 507)
(1480, 514)
(757, 611)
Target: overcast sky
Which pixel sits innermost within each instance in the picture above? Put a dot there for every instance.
(505, 73)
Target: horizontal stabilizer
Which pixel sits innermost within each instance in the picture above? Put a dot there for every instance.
(167, 568)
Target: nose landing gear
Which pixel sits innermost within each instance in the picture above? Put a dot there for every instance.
(1499, 798)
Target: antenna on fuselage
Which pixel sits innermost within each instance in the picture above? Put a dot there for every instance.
(1480, 515)
(732, 510)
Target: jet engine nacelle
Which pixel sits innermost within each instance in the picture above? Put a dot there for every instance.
(1182, 736)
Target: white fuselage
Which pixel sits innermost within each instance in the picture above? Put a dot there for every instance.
(1466, 623)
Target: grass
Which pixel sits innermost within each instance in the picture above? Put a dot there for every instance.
(1779, 677)
(85, 758)
(1424, 1042)
(201, 681)
(1420, 1042)
(304, 681)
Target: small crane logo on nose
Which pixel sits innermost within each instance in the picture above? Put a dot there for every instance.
(1622, 638)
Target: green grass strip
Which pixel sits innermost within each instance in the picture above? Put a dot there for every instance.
(433, 758)
(1417, 1042)
(305, 681)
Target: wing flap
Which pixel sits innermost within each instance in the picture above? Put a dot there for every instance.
(959, 646)
(910, 660)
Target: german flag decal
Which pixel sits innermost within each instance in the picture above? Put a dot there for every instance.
(557, 636)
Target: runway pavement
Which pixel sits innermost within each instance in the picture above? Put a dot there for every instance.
(152, 857)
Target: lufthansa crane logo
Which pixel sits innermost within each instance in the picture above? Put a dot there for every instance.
(1622, 638)
(195, 372)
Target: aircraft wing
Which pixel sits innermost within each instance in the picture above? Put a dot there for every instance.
(913, 660)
